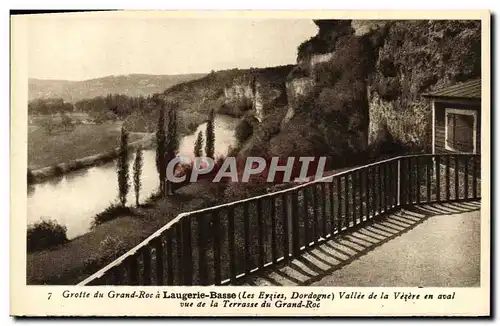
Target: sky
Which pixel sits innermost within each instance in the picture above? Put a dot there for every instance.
(82, 46)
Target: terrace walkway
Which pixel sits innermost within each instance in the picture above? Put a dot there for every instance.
(408, 220)
(426, 245)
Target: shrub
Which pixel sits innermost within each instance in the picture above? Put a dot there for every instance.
(155, 196)
(108, 249)
(113, 211)
(45, 234)
(58, 171)
(30, 176)
(243, 131)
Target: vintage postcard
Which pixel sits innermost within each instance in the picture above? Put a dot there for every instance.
(250, 163)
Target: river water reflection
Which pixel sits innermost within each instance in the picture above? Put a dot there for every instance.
(75, 198)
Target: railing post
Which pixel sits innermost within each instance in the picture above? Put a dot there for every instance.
(274, 249)
(474, 177)
(417, 177)
(323, 198)
(398, 183)
(216, 246)
(438, 178)
(133, 270)
(260, 234)
(353, 196)
(179, 259)
(306, 217)
(428, 179)
(231, 245)
(332, 208)
(368, 193)
(346, 198)
(466, 177)
(146, 259)
(187, 255)
(287, 221)
(170, 259)
(201, 228)
(246, 235)
(295, 225)
(339, 205)
(159, 260)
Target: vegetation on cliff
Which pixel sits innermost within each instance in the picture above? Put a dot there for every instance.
(360, 82)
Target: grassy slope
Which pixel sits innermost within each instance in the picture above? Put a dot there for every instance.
(79, 258)
(60, 147)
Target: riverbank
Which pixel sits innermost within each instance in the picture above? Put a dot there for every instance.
(81, 257)
(72, 262)
(59, 169)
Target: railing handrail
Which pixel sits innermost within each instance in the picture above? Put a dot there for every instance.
(180, 216)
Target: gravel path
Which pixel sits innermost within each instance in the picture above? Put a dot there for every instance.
(434, 245)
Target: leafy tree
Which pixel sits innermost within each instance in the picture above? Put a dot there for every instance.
(137, 174)
(243, 131)
(122, 171)
(66, 122)
(48, 125)
(210, 135)
(160, 149)
(172, 143)
(198, 145)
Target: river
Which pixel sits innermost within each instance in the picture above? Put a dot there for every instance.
(75, 198)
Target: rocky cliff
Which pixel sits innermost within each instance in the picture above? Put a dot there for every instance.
(366, 77)
(237, 92)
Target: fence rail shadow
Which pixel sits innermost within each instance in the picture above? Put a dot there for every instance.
(318, 262)
(223, 244)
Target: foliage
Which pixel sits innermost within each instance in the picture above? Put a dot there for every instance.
(417, 57)
(198, 145)
(172, 141)
(210, 136)
(137, 174)
(30, 176)
(243, 131)
(110, 213)
(49, 106)
(109, 248)
(48, 125)
(58, 170)
(66, 122)
(45, 234)
(161, 149)
(122, 168)
(326, 39)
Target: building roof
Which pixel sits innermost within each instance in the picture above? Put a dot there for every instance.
(466, 90)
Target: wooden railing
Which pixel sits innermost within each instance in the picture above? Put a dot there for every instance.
(221, 244)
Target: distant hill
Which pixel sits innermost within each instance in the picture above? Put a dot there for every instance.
(131, 85)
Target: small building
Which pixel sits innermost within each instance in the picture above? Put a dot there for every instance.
(456, 118)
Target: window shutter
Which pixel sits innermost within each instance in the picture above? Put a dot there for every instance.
(464, 133)
(460, 132)
(450, 136)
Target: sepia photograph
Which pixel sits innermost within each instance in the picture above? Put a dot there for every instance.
(254, 151)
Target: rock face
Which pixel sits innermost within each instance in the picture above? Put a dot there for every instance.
(416, 57)
(368, 76)
(327, 93)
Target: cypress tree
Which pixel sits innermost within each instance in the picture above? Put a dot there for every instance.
(137, 174)
(172, 142)
(210, 136)
(198, 145)
(122, 168)
(160, 149)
